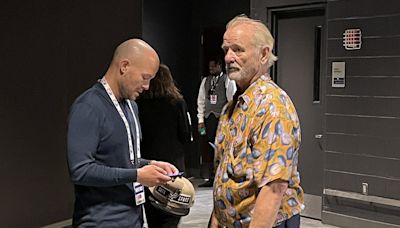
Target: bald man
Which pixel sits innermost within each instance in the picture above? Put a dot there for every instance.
(104, 143)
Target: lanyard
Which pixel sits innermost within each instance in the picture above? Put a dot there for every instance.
(134, 159)
(214, 81)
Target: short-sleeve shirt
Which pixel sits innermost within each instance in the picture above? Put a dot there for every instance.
(258, 144)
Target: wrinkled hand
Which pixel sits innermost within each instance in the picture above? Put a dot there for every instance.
(152, 175)
(167, 167)
(214, 221)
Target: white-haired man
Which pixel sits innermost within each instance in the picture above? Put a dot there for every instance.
(256, 183)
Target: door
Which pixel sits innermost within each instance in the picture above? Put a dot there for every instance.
(298, 71)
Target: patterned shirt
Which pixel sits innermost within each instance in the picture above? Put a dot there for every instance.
(257, 145)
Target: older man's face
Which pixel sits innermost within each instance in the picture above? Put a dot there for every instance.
(243, 60)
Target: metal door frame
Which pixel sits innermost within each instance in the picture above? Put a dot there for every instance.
(274, 14)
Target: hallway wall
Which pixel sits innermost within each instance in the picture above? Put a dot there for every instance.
(175, 29)
(362, 120)
(50, 52)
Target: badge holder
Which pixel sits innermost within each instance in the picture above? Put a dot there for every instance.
(139, 193)
(213, 99)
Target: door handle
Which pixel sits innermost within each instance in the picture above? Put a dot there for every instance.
(318, 136)
(319, 139)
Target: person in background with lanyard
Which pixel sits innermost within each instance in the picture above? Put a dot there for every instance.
(103, 143)
(215, 91)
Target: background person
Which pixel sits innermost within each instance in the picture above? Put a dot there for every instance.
(166, 128)
(215, 91)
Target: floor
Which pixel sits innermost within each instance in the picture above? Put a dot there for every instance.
(200, 212)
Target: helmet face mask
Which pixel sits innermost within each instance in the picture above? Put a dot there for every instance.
(175, 197)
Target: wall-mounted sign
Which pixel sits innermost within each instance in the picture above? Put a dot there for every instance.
(352, 39)
(338, 74)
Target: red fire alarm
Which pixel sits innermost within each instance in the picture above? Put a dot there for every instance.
(352, 39)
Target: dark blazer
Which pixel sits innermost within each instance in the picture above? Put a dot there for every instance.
(165, 129)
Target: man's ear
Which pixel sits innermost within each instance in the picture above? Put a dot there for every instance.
(264, 55)
(123, 66)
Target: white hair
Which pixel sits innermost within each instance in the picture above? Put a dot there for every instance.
(262, 35)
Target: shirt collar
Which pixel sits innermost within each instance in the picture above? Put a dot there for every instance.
(218, 75)
(254, 88)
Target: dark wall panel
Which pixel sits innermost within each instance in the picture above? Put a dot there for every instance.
(352, 182)
(379, 127)
(375, 66)
(369, 26)
(362, 8)
(363, 165)
(259, 7)
(362, 120)
(363, 145)
(370, 47)
(175, 29)
(218, 13)
(388, 107)
(367, 86)
(33, 167)
(94, 29)
(167, 27)
(50, 52)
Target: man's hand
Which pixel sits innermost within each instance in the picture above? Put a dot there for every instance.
(200, 126)
(167, 167)
(201, 129)
(152, 175)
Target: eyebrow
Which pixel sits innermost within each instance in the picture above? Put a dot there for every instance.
(232, 46)
(223, 44)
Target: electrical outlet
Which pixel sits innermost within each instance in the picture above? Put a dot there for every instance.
(365, 188)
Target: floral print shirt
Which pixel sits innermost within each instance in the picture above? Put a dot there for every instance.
(257, 145)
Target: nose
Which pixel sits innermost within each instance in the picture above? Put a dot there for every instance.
(229, 56)
(146, 86)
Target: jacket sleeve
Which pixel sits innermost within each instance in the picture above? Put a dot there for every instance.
(201, 99)
(82, 142)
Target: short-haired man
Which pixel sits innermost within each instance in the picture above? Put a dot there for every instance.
(104, 143)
